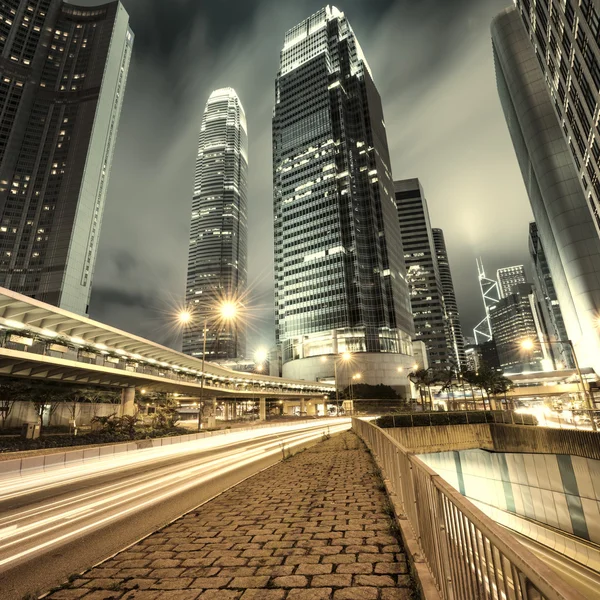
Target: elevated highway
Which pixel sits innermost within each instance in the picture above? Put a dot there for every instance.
(40, 341)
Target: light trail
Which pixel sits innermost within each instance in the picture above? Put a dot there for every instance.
(118, 486)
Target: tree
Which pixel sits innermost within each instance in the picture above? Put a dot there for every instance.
(10, 392)
(423, 379)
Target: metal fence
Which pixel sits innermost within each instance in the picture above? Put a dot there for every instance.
(469, 556)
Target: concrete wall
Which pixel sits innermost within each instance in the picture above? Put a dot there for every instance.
(500, 438)
(374, 369)
(557, 490)
(443, 438)
(25, 412)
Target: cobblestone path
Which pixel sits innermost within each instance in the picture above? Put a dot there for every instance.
(313, 527)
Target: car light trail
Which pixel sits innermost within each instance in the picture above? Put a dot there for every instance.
(67, 513)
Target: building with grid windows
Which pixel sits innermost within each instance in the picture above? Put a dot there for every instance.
(549, 304)
(425, 286)
(508, 277)
(454, 328)
(340, 279)
(62, 82)
(545, 55)
(217, 261)
(514, 322)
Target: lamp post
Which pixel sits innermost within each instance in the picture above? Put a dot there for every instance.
(226, 311)
(530, 344)
(345, 357)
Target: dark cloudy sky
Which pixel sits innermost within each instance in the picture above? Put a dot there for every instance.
(432, 62)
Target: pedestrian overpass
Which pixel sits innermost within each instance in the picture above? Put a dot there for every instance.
(43, 342)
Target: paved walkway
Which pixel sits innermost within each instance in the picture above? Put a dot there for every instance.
(313, 527)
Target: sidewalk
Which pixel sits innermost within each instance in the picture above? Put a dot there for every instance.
(313, 527)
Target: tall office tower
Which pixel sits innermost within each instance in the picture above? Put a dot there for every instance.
(508, 277)
(217, 261)
(490, 296)
(514, 321)
(340, 279)
(62, 82)
(455, 334)
(420, 257)
(549, 304)
(542, 122)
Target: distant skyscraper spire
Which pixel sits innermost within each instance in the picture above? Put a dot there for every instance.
(491, 297)
(217, 262)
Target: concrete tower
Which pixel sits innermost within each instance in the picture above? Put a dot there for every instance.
(63, 74)
(550, 163)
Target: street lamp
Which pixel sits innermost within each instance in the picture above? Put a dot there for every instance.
(529, 345)
(344, 357)
(226, 311)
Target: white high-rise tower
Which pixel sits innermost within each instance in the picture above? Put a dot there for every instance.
(217, 262)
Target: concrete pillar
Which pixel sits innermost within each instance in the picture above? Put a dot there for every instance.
(323, 409)
(302, 407)
(128, 402)
(262, 409)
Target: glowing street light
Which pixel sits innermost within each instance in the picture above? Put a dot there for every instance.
(227, 310)
(185, 317)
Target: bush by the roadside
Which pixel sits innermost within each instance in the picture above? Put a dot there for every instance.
(12, 444)
(426, 419)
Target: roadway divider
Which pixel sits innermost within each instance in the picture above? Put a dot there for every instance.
(67, 457)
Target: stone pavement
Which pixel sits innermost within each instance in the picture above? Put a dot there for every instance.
(313, 527)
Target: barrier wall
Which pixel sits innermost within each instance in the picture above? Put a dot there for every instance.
(75, 456)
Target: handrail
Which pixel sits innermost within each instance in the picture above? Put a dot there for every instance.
(468, 554)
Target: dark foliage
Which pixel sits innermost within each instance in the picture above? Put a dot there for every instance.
(425, 419)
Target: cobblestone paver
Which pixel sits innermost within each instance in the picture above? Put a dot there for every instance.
(313, 527)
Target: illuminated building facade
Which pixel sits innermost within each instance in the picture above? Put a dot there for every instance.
(455, 334)
(508, 277)
(425, 286)
(546, 56)
(63, 71)
(217, 261)
(340, 280)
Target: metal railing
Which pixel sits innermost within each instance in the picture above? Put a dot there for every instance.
(469, 556)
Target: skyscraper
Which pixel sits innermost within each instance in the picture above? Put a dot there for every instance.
(455, 334)
(490, 296)
(513, 323)
(420, 257)
(217, 261)
(549, 304)
(537, 121)
(62, 82)
(508, 277)
(340, 279)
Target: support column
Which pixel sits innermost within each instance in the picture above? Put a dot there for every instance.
(262, 409)
(128, 402)
(302, 407)
(234, 410)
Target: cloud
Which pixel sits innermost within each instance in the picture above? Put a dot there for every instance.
(432, 64)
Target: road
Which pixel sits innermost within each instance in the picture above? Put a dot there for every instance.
(57, 523)
(580, 578)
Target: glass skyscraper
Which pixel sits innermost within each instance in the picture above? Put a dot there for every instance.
(455, 334)
(217, 261)
(62, 81)
(425, 286)
(508, 278)
(537, 59)
(340, 279)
